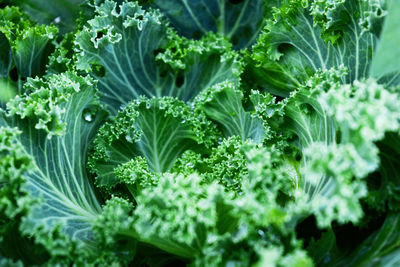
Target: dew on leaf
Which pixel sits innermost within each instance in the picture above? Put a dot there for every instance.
(87, 117)
(189, 165)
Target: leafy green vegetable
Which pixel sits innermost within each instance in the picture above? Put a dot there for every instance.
(160, 63)
(28, 42)
(51, 170)
(239, 21)
(382, 64)
(199, 133)
(158, 129)
(303, 39)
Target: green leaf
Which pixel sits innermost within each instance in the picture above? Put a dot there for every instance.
(387, 48)
(57, 177)
(124, 50)
(292, 48)
(176, 215)
(7, 91)
(226, 164)
(323, 249)
(29, 43)
(302, 114)
(9, 262)
(378, 249)
(14, 245)
(332, 182)
(238, 21)
(62, 59)
(61, 13)
(335, 128)
(14, 163)
(157, 129)
(7, 86)
(222, 103)
(364, 112)
(268, 187)
(384, 184)
(5, 56)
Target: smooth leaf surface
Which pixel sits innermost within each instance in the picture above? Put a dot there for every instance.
(389, 41)
(239, 21)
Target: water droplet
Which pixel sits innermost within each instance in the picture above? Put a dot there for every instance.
(129, 138)
(261, 233)
(122, 107)
(211, 239)
(87, 117)
(189, 165)
(183, 121)
(57, 20)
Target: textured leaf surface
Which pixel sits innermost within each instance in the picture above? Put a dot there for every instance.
(124, 57)
(28, 42)
(157, 129)
(223, 104)
(58, 177)
(292, 48)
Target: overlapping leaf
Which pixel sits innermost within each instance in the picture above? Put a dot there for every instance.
(57, 177)
(123, 48)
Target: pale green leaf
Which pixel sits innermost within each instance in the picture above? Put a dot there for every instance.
(123, 50)
(387, 53)
(57, 177)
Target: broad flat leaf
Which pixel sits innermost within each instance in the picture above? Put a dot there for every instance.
(5, 56)
(384, 189)
(7, 91)
(123, 50)
(61, 13)
(17, 246)
(239, 21)
(58, 177)
(379, 249)
(387, 53)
